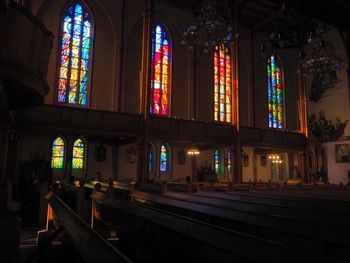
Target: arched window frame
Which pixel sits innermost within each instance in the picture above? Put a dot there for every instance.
(83, 156)
(151, 100)
(63, 157)
(151, 159)
(64, 12)
(167, 171)
(222, 97)
(276, 117)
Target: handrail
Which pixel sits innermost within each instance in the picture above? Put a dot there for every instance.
(92, 247)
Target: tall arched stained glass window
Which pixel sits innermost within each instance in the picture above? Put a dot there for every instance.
(57, 156)
(217, 162)
(161, 71)
(78, 160)
(275, 93)
(222, 84)
(164, 164)
(75, 53)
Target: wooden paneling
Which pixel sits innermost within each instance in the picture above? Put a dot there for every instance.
(272, 138)
(24, 45)
(91, 122)
(185, 130)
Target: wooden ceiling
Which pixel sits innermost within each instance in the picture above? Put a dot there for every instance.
(263, 15)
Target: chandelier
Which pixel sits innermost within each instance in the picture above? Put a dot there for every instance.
(321, 57)
(193, 150)
(275, 158)
(209, 30)
(317, 57)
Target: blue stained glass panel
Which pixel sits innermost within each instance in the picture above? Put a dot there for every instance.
(78, 9)
(275, 94)
(75, 50)
(163, 159)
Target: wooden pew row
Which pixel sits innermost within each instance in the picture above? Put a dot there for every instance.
(195, 241)
(316, 204)
(304, 195)
(328, 194)
(293, 214)
(277, 201)
(264, 226)
(90, 245)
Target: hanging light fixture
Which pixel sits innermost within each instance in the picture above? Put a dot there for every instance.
(193, 150)
(275, 158)
(209, 30)
(321, 57)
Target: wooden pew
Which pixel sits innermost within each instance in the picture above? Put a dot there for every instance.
(159, 232)
(278, 201)
(277, 228)
(90, 245)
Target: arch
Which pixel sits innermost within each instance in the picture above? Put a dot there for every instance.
(161, 71)
(79, 154)
(58, 153)
(275, 93)
(222, 84)
(165, 159)
(75, 52)
(151, 155)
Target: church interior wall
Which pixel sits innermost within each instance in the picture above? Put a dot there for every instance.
(335, 103)
(337, 171)
(248, 170)
(127, 167)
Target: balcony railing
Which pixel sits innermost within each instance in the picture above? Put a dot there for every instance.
(272, 138)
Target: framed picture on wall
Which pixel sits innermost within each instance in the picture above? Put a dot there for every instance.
(131, 155)
(342, 154)
(245, 159)
(181, 157)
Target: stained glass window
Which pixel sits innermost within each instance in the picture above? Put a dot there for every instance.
(222, 84)
(217, 162)
(164, 158)
(57, 158)
(75, 52)
(229, 161)
(151, 159)
(78, 154)
(275, 94)
(160, 72)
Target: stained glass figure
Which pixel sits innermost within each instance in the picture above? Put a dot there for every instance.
(229, 161)
(57, 156)
(160, 72)
(275, 93)
(217, 162)
(222, 84)
(75, 52)
(78, 160)
(164, 158)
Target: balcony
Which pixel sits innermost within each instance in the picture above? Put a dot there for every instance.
(58, 119)
(186, 130)
(25, 44)
(272, 138)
